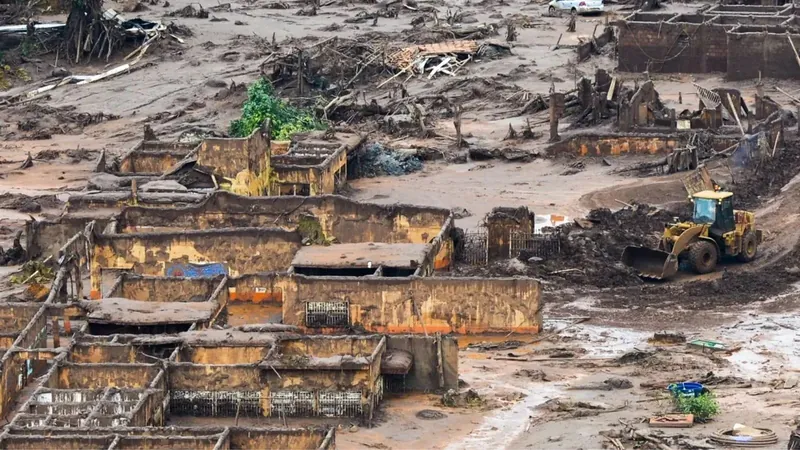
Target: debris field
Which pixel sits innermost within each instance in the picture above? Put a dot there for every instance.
(399, 224)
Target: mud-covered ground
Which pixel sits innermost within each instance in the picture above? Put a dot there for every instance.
(198, 86)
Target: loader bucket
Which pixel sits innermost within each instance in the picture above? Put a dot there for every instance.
(650, 263)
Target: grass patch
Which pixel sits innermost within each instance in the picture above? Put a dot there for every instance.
(703, 407)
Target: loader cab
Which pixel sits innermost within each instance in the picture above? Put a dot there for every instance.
(714, 209)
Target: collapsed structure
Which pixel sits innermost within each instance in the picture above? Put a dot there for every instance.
(742, 41)
(205, 303)
(308, 165)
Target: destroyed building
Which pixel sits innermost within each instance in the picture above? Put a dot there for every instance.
(742, 41)
(229, 306)
(307, 165)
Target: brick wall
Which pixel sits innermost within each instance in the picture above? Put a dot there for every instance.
(673, 47)
(769, 53)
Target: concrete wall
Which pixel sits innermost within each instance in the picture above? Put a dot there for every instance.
(44, 238)
(448, 305)
(298, 439)
(752, 50)
(148, 289)
(239, 159)
(14, 317)
(346, 220)
(59, 442)
(424, 374)
(421, 304)
(154, 156)
(241, 250)
(100, 376)
(242, 438)
(107, 353)
(321, 177)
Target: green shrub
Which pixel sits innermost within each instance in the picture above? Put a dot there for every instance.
(261, 104)
(703, 406)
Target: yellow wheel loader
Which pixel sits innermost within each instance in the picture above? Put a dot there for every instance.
(716, 230)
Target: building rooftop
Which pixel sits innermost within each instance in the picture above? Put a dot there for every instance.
(361, 255)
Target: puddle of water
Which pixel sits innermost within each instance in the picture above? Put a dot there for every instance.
(465, 341)
(603, 341)
(500, 429)
(795, 289)
(770, 345)
(503, 426)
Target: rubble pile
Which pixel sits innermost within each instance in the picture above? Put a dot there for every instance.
(330, 66)
(377, 160)
(591, 248)
(38, 121)
(768, 179)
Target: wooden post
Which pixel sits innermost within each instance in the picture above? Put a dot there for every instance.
(67, 326)
(299, 72)
(735, 114)
(457, 125)
(134, 192)
(796, 56)
(558, 41)
(56, 333)
(440, 359)
(554, 137)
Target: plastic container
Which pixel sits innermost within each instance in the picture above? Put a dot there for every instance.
(688, 389)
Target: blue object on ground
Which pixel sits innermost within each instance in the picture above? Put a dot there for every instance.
(686, 389)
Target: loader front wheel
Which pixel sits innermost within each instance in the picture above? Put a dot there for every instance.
(749, 247)
(703, 257)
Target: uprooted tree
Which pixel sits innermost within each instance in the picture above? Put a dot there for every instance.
(89, 34)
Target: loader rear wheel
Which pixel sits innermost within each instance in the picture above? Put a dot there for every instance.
(749, 247)
(703, 257)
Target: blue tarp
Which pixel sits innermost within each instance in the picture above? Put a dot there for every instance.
(196, 270)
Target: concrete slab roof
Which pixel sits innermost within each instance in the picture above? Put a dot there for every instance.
(361, 255)
(133, 312)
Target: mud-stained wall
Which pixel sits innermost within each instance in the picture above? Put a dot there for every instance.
(100, 376)
(149, 289)
(320, 178)
(44, 238)
(296, 439)
(197, 377)
(59, 442)
(234, 159)
(223, 354)
(14, 317)
(346, 220)
(257, 288)
(240, 250)
(614, 145)
(154, 156)
(421, 304)
(326, 346)
(10, 371)
(239, 438)
(167, 443)
(106, 353)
